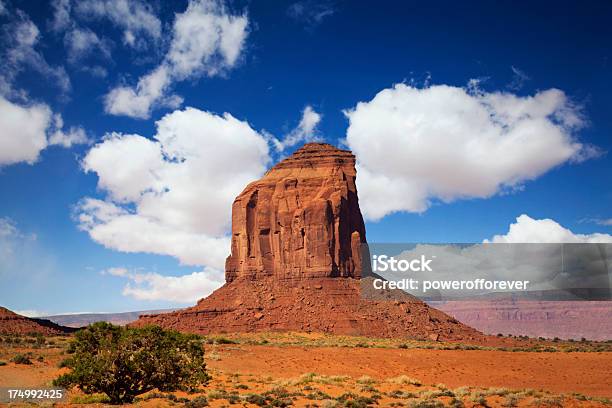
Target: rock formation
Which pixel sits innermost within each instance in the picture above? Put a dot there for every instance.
(13, 323)
(295, 262)
(301, 220)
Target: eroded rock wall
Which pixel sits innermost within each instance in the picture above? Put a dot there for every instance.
(301, 220)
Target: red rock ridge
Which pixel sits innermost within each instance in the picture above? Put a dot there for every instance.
(13, 323)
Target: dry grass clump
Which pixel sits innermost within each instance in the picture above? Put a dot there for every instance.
(404, 380)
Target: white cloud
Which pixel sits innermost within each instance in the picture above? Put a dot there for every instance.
(7, 227)
(22, 37)
(447, 143)
(180, 289)
(206, 41)
(136, 18)
(75, 135)
(529, 230)
(117, 271)
(166, 195)
(137, 103)
(82, 42)
(24, 130)
(306, 130)
(61, 15)
(2, 8)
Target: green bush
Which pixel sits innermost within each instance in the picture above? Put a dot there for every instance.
(125, 362)
(21, 359)
(198, 402)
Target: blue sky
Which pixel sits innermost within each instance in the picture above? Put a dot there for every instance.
(271, 63)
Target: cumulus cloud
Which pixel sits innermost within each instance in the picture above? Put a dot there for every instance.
(66, 138)
(151, 89)
(166, 195)
(529, 230)
(21, 39)
(23, 134)
(136, 18)
(305, 131)
(207, 40)
(26, 130)
(180, 289)
(417, 145)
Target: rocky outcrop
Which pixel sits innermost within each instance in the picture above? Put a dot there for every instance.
(295, 262)
(13, 323)
(301, 220)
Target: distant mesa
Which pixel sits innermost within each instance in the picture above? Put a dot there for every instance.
(13, 323)
(77, 320)
(295, 262)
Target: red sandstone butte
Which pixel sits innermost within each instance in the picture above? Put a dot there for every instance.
(295, 262)
(13, 323)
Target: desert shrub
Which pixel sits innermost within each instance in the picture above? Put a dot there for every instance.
(351, 400)
(548, 402)
(256, 399)
(2, 363)
(317, 395)
(367, 380)
(426, 404)
(456, 403)
(197, 402)
(479, 399)
(511, 401)
(21, 359)
(404, 380)
(90, 399)
(220, 340)
(124, 362)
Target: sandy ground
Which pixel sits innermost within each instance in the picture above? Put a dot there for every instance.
(395, 377)
(587, 373)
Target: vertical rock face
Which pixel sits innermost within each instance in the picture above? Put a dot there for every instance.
(301, 220)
